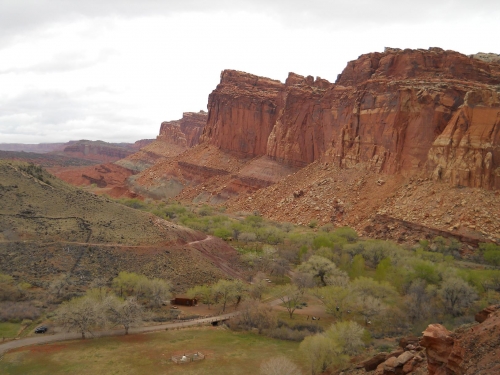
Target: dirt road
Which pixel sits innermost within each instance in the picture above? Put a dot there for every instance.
(45, 339)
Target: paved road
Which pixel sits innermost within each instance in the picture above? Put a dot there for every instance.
(44, 339)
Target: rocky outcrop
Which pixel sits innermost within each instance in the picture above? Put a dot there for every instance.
(175, 137)
(391, 112)
(467, 350)
(488, 57)
(404, 360)
(184, 132)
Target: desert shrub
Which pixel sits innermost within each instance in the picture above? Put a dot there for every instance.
(279, 366)
(322, 241)
(259, 316)
(289, 334)
(205, 210)
(492, 257)
(134, 203)
(18, 311)
(310, 327)
(427, 271)
(9, 292)
(348, 233)
(223, 233)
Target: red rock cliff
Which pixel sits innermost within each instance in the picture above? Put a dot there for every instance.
(242, 113)
(401, 110)
(186, 131)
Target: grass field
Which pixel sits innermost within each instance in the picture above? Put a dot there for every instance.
(227, 352)
(8, 330)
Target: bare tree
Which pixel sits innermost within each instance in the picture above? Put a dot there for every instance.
(128, 313)
(417, 300)
(291, 296)
(457, 295)
(279, 366)
(57, 286)
(80, 314)
(257, 289)
(303, 280)
(256, 315)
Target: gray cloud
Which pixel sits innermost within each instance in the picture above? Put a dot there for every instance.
(57, 116)
(25, 15)
(62, 62)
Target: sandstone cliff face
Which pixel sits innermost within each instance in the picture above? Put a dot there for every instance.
(388, 112)
(242, 113)
(186, 131)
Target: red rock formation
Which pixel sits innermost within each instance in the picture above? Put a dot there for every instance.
(184, 132)
(391, 112)
(242, 113)
(466, 351)
(110, 179)
(137, 145)
(175, 137)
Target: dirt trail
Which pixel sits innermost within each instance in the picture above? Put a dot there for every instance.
(207, 238)
(219, 262)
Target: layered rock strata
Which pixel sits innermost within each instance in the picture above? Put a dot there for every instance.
(392, 112)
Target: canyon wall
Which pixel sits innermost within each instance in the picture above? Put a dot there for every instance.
(391, 112)
(96, 150)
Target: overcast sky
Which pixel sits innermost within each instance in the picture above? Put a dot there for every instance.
(115, 69)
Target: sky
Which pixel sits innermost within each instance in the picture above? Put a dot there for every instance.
(113, 70)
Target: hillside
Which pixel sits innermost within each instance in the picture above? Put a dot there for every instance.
(48, 227)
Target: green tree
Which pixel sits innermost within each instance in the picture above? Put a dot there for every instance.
(202, 293)
(127, 283)
(357, 267)
(383, 270)
(347, 337)
(337, 300)
(323, 270)
(318, 353)
(226, 291)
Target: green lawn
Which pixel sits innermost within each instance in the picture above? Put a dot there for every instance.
(9, 329)
(227, 353)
